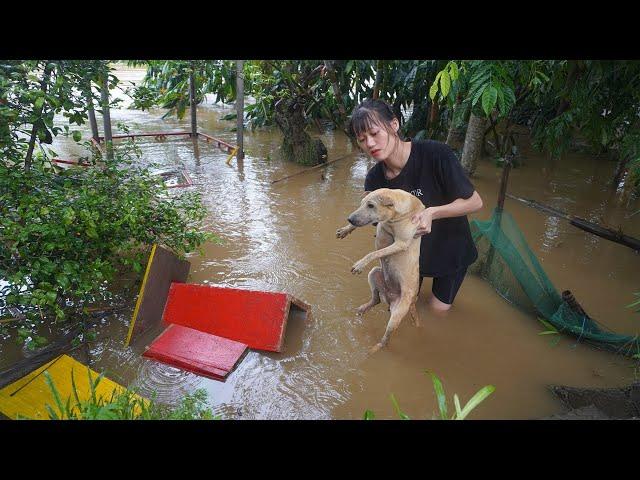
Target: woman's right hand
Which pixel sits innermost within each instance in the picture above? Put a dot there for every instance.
(424, 220)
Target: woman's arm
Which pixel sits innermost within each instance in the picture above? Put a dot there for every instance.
(457, 208)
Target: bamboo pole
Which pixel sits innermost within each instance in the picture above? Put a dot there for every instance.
(614, 235)
(240, 108)
(311, 168)
(158, 134)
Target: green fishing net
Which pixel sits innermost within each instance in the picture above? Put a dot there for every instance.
(508, 264)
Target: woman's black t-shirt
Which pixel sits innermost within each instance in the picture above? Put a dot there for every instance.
(434, 175)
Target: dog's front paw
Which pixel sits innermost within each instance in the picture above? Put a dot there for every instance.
(362, 309)
(343, 232)
(358, 267)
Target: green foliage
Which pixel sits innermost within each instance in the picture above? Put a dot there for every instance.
(400, 413)
(595, 99)
(369, 415)
(166, 84)
(630, 150)
(486, 84)
(192, 407)
(636, 303)
(32, 92)
(460, 413)
(64, 237)
(123, 404)
(550, 330)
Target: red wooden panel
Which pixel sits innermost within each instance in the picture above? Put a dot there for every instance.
(256, 318)
(198, 352)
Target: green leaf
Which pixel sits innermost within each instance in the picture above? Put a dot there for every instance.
(77, 136)
(369, 415)
(634, 304)
(51, 296)
(433, 90)
(74, 388)
(456, 402)
(489, 98)
(397, 407)
(442, 400)
(39, 102)
(54, 391)
(445, 83)
(502, 106)
(453, 71)
(476, 96)
(550, 327)
(478, 398)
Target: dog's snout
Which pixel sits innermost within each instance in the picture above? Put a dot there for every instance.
(351, 220)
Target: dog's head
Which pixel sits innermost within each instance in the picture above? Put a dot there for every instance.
(381, 205)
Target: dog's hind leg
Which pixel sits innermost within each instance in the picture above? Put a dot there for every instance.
(375, 282)
(398, 312)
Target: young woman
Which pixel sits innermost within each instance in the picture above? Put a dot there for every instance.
(431, 171)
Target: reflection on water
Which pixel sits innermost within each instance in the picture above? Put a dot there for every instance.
(281, 237)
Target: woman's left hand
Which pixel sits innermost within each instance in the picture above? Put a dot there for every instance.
(423, 219)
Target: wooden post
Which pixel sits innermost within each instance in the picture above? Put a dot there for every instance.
(91, 112)
(499, 208)
(192, 101)
(240, 108)
(503, 183)
(106, 114)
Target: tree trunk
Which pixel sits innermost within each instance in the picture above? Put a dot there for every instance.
(106, 114)
(297, 145)
(572, 77)
(192, 101)
(91, 112)
(621, 168)
(378, 81)
(473, 143)
(240, 108)
(451, 135)
(433, 117)
(38, 111)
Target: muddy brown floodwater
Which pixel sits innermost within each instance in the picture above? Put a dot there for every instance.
(281, 237)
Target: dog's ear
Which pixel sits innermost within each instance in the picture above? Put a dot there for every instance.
(386, 200)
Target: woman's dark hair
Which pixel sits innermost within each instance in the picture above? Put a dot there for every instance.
(369, 113)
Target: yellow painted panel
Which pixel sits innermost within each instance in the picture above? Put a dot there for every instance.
(140, 295)
(28, 396)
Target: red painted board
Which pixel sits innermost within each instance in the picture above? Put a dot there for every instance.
(256, 318)
(198, 352)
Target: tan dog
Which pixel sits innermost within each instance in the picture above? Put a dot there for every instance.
(396, 283)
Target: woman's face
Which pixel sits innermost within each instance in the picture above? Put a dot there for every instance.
(377, 141)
